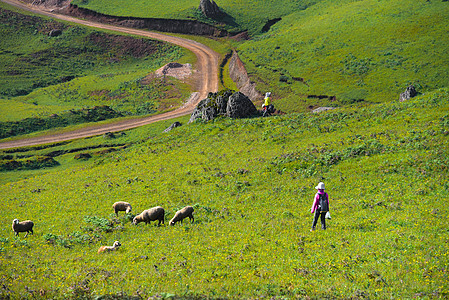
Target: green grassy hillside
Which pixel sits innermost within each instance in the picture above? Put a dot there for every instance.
(354, 50)
(343, 51)
(41, 75)
(251, 183)
(242, 15)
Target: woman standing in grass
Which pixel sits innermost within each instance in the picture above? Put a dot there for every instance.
(320, 206)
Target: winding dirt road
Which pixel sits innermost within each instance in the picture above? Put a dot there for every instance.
(206, 81)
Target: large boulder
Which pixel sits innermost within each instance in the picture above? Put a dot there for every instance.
(204, 110)
(210, 9)
(240, 106)
(410, 92)
(226, 103)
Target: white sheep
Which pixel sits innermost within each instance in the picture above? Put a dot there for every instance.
(182, 214)
(24, 226)
(109, 248)
(121, 206)
(152, 214)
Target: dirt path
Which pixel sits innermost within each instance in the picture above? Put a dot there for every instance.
(206, 81)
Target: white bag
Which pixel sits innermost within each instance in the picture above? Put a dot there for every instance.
(328, 215)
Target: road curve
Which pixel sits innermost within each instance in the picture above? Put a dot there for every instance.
(206, 81)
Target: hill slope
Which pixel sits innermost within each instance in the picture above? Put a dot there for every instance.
(251, 182)
(354, 50)
(328, 53)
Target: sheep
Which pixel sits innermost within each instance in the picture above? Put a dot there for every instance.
(152, 214)
(109, 248)
(24, 226)
(121, 206)
(182, 214)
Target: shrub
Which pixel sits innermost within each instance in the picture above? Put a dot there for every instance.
(100, 224)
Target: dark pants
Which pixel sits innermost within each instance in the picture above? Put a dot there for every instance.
(323, 219)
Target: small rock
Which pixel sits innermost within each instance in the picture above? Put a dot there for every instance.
(410, 92)
(174, 125)
(55, 32)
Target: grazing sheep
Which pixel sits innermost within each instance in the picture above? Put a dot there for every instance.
(24, 226)
(182, 214)
(121, 206)
(152, 214)
(109, 248)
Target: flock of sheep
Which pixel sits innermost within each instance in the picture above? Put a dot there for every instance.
(153, 214)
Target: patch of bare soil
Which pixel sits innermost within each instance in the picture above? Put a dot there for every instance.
(49, 4)
(177, 70)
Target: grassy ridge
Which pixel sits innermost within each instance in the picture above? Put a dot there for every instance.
(251, 182)
(242, 15)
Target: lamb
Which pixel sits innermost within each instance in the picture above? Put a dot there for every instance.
(182, 214)
(152, 214)
(109, 248)
(24, 226)
(121, 206)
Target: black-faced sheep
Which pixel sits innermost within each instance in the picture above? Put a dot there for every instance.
(182, 214)
(109, 248)
(121, 206)
(24, 226)
(152, 214)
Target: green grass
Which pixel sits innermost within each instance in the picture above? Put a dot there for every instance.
(252, 183)
(358, 51)
(370, 50)
(78, 69)
(242, 15)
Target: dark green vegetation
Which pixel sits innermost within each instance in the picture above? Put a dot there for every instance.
(71, 73)
(72, 117)
(251, 183)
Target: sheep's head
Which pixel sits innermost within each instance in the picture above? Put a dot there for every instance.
(128, 209)
(172, 223)
(15, 221)
(116, 244)
(135, 221)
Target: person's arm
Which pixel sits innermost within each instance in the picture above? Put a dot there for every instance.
(314, 204)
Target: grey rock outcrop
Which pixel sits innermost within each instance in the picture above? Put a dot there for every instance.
(174, 125)
(227, 103)
(410, 92)
(210, 9)
(240, 106)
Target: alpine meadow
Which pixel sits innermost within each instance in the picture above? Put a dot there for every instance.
(335, 70)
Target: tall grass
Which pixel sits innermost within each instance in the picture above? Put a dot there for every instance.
(252, 183)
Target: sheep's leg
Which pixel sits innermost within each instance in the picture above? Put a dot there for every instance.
(26, 234)
(191, 219)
